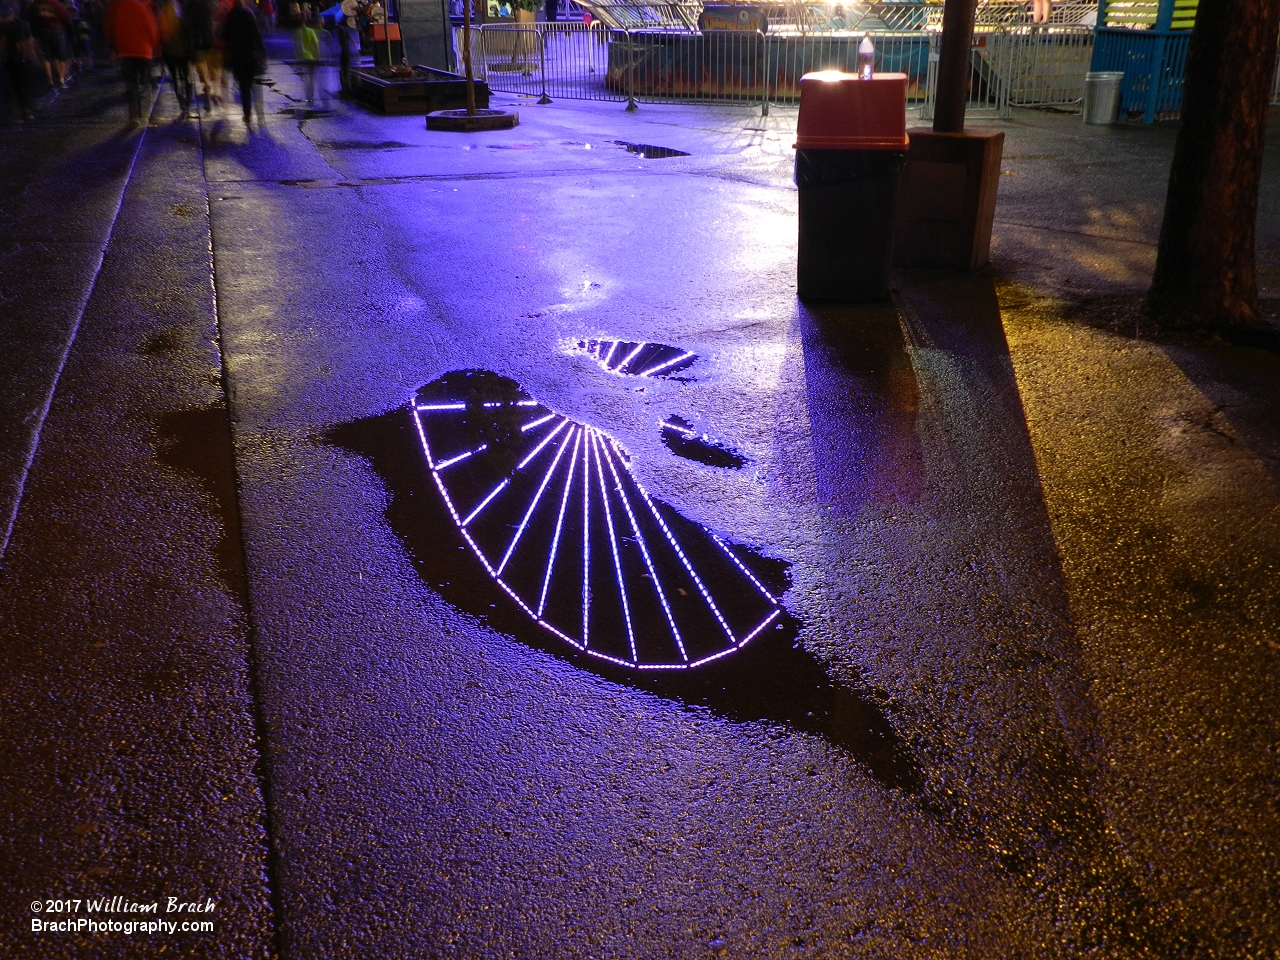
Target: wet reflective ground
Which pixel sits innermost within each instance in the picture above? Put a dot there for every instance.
(370, 440)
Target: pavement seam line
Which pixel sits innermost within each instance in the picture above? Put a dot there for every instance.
(257, 711)
(11, 521)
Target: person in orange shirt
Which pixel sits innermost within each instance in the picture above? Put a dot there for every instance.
(131, 30)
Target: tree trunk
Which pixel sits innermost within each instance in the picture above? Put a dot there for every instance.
(1205, 273)
(955, 64)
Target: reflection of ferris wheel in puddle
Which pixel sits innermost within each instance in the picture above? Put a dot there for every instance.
(552, 510)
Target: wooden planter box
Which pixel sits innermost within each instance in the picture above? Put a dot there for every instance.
(426, 91)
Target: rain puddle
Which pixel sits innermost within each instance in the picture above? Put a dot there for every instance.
(631, 359)
(361, 145)
(650, 152)
(535, 523)
(684, 441)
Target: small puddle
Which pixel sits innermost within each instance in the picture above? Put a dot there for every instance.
(684, 441)
(649, 151)
(631, 359)
(361, 145)
(535, 524)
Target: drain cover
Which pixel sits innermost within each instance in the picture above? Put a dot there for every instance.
(553, 512)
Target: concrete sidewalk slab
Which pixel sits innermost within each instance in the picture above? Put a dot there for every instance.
(130, 763)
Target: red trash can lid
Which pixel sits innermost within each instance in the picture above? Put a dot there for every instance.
(839, 111)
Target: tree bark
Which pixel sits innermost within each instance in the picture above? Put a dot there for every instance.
(1205, 273)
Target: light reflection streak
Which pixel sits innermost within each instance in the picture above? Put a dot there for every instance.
(555, 540)
(613, 544)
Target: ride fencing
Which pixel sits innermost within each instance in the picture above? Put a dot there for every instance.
(1023, 65)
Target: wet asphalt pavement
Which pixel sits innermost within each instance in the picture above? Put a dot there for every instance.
(1021, 697)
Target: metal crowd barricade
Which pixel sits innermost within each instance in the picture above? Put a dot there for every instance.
(549, 60)
(1046, 64)
(1023, 65)
(989, 87)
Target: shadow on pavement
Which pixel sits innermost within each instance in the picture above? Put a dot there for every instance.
(198, 444)
(772, 679)
(918, 428)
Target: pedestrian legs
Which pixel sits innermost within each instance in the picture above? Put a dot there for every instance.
(344, 56)
(180, 76)
(244, 80)
(137, 74)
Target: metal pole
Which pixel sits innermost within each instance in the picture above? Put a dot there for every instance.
(764, 76)
(954, 66)
(542, 65)
(631, 75)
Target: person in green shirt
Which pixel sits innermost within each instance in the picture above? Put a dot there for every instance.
(306, 51)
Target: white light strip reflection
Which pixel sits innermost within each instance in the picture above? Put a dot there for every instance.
(662, 366)
(613, 544)
(533, 506)
(555, 540)
(741, 566)
(537, 423)
(609, 449)
(612, 350)
(686, 432)
(631, 356)
(442, 406)
(545, 440)
(687, 565)
(462, 456)
(586, 541)
(485, 502)
(752, 635)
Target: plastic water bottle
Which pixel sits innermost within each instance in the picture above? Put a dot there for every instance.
(866, 56)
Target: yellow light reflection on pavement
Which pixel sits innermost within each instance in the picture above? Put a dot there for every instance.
(1168, 528)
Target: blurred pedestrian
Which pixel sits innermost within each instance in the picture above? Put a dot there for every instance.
(1041, 10)
(50, 21)
(16, 48)
(132, 32)
(246, 56)
(348, 39)
(306, 50)
(201, 25)
(78, 38)
(268, 10)
(175, 48)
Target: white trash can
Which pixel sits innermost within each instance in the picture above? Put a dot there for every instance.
(1102, 96)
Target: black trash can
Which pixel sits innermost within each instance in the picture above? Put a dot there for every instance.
(851, 148)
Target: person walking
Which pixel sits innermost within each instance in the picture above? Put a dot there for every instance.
(347, 38)
(175, 47)
(50, 21)
(245, 54)
(132, 32)
(306, 50)
(198, 17)
(16, 47)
